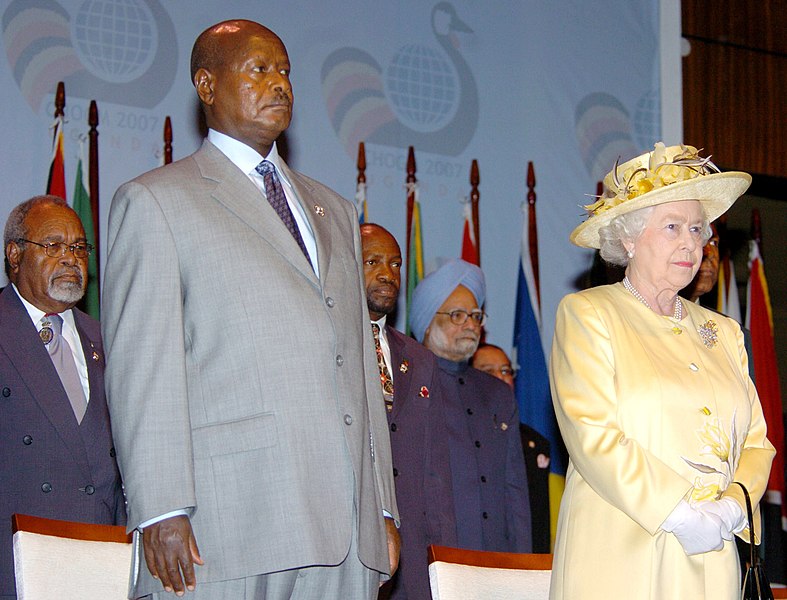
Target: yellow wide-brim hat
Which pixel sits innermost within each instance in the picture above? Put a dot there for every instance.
(667, 174)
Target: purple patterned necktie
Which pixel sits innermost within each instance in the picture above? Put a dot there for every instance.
(275, 195)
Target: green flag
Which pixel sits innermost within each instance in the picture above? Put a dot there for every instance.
(82, 207)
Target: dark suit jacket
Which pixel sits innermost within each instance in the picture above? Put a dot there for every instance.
(536, 448)
(419, 445)
(487, 464)
(51, 466)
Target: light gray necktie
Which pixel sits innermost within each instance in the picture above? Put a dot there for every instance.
(63, 359)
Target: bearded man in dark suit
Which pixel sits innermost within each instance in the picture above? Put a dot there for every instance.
(58, 459)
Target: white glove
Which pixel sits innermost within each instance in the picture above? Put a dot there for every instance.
(697, 531)
(730, 513)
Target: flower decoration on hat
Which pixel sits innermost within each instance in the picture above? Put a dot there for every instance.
(660, 172)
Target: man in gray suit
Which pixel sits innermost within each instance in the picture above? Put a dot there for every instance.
(55, 442)
(242, 375)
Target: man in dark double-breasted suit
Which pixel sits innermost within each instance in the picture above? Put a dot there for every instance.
(57, 459)
(419, 444)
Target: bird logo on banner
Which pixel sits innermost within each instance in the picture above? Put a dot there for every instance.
(426, 98)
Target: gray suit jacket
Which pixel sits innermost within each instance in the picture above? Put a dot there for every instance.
(51, 465)
(239, 383)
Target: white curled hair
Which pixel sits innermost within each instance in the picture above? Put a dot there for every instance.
(628, 227)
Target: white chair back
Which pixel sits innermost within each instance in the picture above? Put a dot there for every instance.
(456, 574)
(70, 561)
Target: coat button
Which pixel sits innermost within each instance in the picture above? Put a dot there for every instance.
(396, 472)
(469, 411)
(330, 302)
(90, 490)
(339, 360)
(483, 478)
(46, 487)
(461, 381)
(393, 426)
(6, 392)
(477, 444)
(27, 440)
(348, 420)
(485, 514)
(112, 452)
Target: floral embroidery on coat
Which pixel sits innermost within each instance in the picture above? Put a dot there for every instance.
(715, 442)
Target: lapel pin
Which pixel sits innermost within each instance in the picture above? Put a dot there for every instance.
(319, 210)
(424, 393)
(403, 367)
(503, 426)
(95, 356)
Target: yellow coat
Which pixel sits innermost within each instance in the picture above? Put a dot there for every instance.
(649, 417)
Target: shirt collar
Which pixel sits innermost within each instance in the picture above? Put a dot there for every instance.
(242, 156)
(36, 314)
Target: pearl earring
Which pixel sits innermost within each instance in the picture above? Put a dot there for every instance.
(630, 254)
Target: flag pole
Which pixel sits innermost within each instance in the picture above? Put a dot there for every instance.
(532, 231)
(92, 121)
(475, 196)
(167, 140)
(410, 195)
(360, 184)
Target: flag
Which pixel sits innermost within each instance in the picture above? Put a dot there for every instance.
(469, 246)
(727, 302)
(759, 320)
(360, 202)
(415, 251)
(532, 381)
(56, 182)
(81, 205)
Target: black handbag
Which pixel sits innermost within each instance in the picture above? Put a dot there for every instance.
(755, 582)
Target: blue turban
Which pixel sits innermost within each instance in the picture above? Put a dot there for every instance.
(433, 290)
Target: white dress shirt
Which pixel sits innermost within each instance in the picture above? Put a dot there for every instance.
(70, 334)
(246, 159)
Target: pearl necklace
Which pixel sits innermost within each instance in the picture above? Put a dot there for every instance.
(677, 315)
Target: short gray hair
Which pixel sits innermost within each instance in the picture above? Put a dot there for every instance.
(15, 225)
(627, 228)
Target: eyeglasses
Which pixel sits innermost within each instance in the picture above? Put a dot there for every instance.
(459, 316)
(58, 249)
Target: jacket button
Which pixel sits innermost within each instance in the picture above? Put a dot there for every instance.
(330, 302)
(348, 420)
(396, 472)
(469, 411)
(339, 360)
(483, 478)
(112, 452)
(27, 440)
(485, 515)
(477, 444)
(46, 487)
(6, 392)
(461, 381)
(393, 426)
(90, 490)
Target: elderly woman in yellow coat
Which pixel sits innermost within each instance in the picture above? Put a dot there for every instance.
(653, 398)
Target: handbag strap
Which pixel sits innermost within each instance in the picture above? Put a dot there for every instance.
(753, 556)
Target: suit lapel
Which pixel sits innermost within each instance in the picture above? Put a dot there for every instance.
(20, 341)
(318, 216)
(240, 196)
(402, 372)
(97, 412)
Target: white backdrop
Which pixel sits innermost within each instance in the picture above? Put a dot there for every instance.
(567, 84)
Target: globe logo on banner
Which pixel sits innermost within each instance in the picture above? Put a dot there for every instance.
(115, 40)
(427, 98)
(422, 86)
(107, 50)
